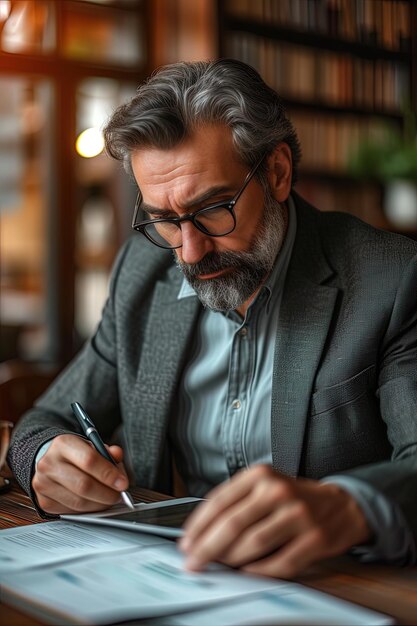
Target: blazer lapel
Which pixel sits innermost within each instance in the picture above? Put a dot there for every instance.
(305, 315)
(169, 329)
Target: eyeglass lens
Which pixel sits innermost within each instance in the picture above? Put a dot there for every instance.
(216, 221)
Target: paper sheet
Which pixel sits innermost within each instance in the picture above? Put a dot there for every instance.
(24, 547)
(288, 605)
(146, 582)
(68, 573)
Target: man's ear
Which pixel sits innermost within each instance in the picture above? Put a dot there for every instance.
(280, 171)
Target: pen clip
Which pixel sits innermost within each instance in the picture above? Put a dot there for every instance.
(78, 409)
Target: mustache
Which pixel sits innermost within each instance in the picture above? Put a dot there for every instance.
(213, 262)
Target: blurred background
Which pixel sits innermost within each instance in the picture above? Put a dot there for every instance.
(347, 70)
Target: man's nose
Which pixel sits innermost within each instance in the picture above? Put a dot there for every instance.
(195, 244)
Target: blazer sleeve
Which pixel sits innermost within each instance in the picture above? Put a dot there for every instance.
(91, 379)
(397, 393)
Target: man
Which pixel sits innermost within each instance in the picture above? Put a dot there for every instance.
(282, 342)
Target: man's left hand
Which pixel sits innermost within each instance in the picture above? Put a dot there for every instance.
(266, 523)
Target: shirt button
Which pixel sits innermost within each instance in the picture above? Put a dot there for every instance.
(243, 331)
(236, 404)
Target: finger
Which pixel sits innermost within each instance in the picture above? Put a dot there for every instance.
(79, 453)
(316, 538)
(58, 500)
(78, 487)
(116, 453)
(51, 506)
(84, 485)
(266, 536)
(222, 539)
(220, 500)
(292, 559)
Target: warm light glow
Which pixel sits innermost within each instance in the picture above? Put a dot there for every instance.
(5, 6)
(90, 143)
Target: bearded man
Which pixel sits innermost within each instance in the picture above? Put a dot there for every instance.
(265, 350)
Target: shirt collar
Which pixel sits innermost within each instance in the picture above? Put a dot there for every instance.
(186, 290)
(276, 278)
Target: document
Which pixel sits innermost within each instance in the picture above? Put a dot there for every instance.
(26, 547)
(292, 604)
(67, 573)
(141, 583)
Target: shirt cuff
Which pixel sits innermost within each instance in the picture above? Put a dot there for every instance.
(393, 541)
(41, 452)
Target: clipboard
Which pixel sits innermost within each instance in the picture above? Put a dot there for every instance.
(165, 518)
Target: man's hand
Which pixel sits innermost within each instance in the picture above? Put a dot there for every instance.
(73, 477)
(266, 523)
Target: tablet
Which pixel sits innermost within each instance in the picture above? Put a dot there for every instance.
(164, 518)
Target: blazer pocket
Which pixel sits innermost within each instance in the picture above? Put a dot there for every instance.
(348, 390)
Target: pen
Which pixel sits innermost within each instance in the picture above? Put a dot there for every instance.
(90, 431)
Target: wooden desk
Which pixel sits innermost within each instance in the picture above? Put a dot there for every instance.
(385, 589)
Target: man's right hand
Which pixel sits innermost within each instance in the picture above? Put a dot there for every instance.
(73, 477)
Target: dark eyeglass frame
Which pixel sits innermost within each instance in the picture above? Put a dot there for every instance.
(192, 217)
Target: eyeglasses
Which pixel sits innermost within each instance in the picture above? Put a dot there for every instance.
(216, 220)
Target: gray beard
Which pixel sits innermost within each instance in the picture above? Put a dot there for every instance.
(248, 269)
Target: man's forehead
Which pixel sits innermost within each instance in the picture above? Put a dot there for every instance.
(208, 151)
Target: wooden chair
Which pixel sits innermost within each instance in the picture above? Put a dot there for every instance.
(20, 385)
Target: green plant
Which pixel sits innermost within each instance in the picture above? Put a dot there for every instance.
(391, 157)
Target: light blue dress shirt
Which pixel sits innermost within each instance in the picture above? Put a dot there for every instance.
(223, 421)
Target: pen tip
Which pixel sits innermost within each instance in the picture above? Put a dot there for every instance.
(127, 499)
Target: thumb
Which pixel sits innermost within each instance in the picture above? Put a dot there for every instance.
(116, 453)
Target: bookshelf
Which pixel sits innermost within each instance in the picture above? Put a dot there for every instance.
(344, 69)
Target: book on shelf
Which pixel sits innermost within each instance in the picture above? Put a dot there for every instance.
(344, 69)
(324, 76)
(378, 23)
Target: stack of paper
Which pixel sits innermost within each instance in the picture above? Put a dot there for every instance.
(69, 573)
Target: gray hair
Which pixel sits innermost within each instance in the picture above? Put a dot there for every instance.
(179, 98)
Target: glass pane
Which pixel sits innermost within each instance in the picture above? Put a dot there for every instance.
(29, 26)
(25, 175)
(105, 34)
(106, 199)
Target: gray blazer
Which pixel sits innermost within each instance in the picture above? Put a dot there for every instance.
(344, 396)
